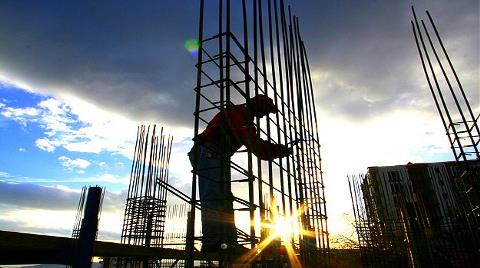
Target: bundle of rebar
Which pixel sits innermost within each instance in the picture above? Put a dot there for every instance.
(144, 218)
(79, 215)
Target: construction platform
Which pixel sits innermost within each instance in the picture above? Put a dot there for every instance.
(25, 248)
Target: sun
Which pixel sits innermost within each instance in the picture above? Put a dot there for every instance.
(282, 227)
(279, 232)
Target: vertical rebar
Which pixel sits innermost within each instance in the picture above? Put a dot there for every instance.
(193, 197)
(144, 216)
(457, 104)
(247, 77)
(456, 76)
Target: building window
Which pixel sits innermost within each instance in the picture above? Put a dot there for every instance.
(393, 176)
(395, 187)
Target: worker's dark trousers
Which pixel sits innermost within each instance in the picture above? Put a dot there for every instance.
(218, 224)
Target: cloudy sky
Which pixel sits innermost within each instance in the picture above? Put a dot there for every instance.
(76, 78)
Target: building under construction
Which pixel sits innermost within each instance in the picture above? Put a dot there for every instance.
(248, 48)
(411, 216)
(426, 215)
(245, 48)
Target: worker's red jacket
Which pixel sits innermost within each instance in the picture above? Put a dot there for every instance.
(236, 124)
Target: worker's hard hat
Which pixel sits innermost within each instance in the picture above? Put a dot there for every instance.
(261, 100)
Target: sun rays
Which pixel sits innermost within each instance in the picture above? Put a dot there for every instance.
(279, 232)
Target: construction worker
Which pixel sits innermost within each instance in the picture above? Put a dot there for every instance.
(234, 128)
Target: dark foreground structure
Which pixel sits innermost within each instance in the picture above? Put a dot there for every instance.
(24, 248)
(248, 48)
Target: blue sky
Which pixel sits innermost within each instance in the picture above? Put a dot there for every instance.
(33, 151)
(51, 149)
(77, 78)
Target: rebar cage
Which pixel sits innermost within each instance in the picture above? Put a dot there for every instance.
(255, 47)
(145, 208)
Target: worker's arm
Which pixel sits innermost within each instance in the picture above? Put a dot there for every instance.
(261, 148)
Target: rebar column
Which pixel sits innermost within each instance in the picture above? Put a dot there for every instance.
(145, 208)
(269, 59)
(89, 227)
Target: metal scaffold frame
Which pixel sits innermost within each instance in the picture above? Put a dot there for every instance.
(263, 53)
(145, 208)
(458, 119)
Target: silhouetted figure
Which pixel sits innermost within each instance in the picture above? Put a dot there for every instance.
(224, 135)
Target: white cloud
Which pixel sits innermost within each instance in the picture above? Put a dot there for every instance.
(64, 188)
(111, 178)
(103, 164)
(55, 117)
(5, 175)
(16, 113)
(77, 126)
(51, 210)
(179, 163)
(71, 164)
(54, 107)
(30, 218)
(45, 144)
(60, 183)
(22, 149)
(20, 115)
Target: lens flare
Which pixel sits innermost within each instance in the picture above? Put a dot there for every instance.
(192, 46)
(279, 232)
